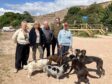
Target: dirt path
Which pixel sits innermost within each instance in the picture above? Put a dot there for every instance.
(101, 47)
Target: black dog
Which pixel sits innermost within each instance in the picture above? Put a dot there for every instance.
(81, 70)
(89, 59)
(77, 52)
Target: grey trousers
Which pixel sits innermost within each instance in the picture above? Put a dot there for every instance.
(34, 49)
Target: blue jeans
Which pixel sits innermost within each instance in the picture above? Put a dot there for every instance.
(63, 50)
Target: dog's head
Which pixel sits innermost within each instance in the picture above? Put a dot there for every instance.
(66, 53)
(83, 52)
(77, 51)
(65, 67)
(71, 57)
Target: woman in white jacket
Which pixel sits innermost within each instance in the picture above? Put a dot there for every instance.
(21, 38)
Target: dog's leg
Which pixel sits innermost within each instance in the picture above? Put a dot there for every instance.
(86, 81)
(101, 67)
(44, 69)
(103, 71)
(25, 67)
(50, 62)
(29, 74)
(48, 75)
(98, 72)
(70, 70)
(79, 80)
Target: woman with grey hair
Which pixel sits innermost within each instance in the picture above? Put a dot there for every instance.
(21, 38)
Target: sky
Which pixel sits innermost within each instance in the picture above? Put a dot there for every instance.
(40, 7)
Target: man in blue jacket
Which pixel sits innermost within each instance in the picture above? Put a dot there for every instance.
(37, 40)
(65, 39)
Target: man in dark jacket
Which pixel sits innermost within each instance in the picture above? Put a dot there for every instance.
(37, 40)
(49, 36)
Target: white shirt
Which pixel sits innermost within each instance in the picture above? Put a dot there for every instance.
(20, 37)
(38, 36)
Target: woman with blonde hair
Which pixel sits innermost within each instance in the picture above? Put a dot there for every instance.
(21, 38)
(37, 40)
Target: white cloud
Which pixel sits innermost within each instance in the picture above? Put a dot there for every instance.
(37, 8)
(2, 11)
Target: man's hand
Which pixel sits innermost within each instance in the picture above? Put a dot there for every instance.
(71, 49)
(60, 46)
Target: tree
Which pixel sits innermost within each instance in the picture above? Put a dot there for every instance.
(73, 10)
(107, 19)
(15, 23)
(27, 16)
(14, 19)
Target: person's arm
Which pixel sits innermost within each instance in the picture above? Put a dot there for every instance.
(30, 36)
(14, 37)
(43, 37)
(52, 27)
(59, 38)
(71, 39)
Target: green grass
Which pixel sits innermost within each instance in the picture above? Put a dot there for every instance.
(80, 34)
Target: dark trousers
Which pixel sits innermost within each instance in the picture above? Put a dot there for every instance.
(22, 55)
(63, 50)
(47, 46)
(54, 44)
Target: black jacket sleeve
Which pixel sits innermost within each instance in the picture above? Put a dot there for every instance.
(32, 37)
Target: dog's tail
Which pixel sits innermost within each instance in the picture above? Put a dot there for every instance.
(92, 76)
(25, 67)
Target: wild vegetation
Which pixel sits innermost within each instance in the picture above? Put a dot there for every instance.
(14, 19)
(94, 14)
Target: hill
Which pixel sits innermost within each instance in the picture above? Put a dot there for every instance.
(50, 17)
(62, 13)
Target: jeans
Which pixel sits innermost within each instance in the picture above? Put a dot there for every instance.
(34, 48)
(63, 50)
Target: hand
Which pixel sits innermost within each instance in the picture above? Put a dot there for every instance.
(60, 46)
(43, 45)
(71, 49)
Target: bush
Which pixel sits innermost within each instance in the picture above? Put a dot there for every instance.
(83, 34)
(14, 19)
(95, 12)
(15, 23)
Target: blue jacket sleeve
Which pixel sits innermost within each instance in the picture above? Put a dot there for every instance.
(59, 37)
(71, 39)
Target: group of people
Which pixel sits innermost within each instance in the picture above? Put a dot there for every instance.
(56, 34)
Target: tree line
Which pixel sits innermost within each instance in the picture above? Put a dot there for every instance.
(94, 14)
(14, 19)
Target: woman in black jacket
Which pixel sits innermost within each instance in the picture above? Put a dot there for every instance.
(37, 40)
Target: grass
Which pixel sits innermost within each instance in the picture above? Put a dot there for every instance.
(80, 34)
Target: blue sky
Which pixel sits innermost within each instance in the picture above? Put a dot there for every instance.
(4, 2)
(40, 7)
